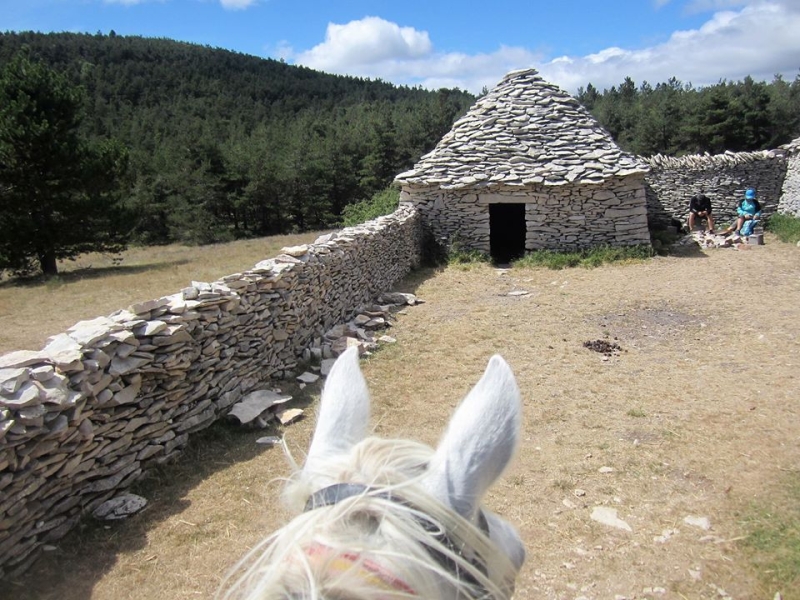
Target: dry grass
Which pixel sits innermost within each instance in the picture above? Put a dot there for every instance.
(697, 415)
(98, 284)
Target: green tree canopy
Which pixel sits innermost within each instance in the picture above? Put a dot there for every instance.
(674, 118)
(58, 193)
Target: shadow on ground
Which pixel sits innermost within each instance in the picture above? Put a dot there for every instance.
(84, 273)
(686, 251)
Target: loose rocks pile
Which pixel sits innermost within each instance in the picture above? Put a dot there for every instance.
(365, 331)
(717, 240)
(257, 409)
(261, 407)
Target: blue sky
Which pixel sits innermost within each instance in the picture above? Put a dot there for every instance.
(462, 44)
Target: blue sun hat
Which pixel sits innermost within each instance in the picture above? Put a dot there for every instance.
(750, 194)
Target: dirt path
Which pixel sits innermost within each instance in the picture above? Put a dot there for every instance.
(695, 416)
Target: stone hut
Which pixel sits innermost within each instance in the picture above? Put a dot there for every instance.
(790, 193)
(528, 168)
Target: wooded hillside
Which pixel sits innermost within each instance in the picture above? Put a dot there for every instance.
(225, 145)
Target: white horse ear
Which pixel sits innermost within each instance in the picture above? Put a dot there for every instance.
(343, 414)
(479, 443)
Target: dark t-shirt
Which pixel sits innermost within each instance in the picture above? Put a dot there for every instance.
(700, 203)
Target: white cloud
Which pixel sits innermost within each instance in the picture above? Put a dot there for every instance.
(375, 48)
(759, 39)
(368, 42)
(282, 51)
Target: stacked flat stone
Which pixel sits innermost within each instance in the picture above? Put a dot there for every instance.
(790, 192)
(672, 181)
(525, 131)
(84, 418)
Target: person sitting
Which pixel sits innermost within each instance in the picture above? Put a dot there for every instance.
(749, 211)
(700, 208)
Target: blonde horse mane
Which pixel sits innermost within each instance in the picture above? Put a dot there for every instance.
(392, 539)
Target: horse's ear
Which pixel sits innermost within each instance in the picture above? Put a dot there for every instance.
(343, 414)
(480, 441)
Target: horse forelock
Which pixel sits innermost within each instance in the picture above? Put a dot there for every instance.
(376, 535)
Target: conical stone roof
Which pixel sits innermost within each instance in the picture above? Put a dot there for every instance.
(525, 131)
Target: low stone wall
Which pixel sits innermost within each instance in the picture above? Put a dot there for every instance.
(84, 418)
(722, 177)
(790, 192)
(567, 217)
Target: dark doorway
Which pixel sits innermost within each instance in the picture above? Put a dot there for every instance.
(506, 232)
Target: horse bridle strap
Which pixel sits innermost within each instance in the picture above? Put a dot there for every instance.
(333, 494)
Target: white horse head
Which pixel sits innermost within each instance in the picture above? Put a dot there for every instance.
(384, 519)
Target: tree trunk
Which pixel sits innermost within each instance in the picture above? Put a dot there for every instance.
(47, 260)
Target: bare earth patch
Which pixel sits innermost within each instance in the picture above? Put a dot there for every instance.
(691, 433)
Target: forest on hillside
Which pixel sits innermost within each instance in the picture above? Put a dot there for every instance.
(674, 118)
(221, 145)
(225, 145)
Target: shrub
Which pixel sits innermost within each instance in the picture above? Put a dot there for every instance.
(458, 254)
(382, 203)
(786, 227)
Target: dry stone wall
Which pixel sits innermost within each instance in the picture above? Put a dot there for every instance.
(84, 418)
(567, 217)
(790, 192)
(724, 178)
(613, 213)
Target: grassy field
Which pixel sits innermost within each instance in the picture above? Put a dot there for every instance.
(98, 284)
(696, 415)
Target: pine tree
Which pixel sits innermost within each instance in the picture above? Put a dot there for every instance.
(58, 193)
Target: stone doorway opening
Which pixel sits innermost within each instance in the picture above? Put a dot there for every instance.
(506, 232)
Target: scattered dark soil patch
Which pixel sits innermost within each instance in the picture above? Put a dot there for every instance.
(648, 326)
(602, 346)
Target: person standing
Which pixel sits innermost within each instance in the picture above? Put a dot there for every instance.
(700, 208)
